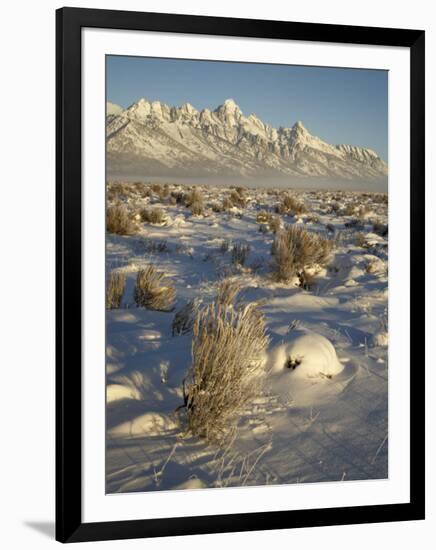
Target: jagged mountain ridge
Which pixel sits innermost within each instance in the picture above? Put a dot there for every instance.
(152, 138)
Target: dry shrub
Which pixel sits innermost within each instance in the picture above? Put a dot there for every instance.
(152, 215)
(216, 206)
(295, 249)
(362, 212)
(119, 190)
(194, 201)
(225, 246)
(227, 204)
(306, 279)
(275, 224)
(264, 217)
(334, 207)
(227, 355)
(291, 205)
(361, 240)
(152, 291)
(193, 196)
(197, 208)
(119, 221)
(115, 286)
(184, 319)
(237, 198)
(162, 191)
(350, 209)
(178, 196)
(143, 189)
(240, 253)
(227, 292)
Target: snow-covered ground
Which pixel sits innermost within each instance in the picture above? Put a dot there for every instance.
(326, 420)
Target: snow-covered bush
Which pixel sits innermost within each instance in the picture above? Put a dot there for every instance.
(152, 291)
(240, 253)
(152, 215)
(227, 355)
(119, 221)
(115, 289)
(227, 292)
(303, 355)
(295, 249)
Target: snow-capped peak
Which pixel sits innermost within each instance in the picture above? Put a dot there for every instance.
(299, 128)
(184, 140)
(188, 108)
(229, 113)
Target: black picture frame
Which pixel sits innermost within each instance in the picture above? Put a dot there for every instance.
(69, 525)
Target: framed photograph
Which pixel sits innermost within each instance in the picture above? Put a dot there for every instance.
(240, 264)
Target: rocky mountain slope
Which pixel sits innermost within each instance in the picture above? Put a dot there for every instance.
(152, 138)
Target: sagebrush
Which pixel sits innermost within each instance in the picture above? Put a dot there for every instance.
(119, 221)
(295, 249)
(227, 291)
(291, 205)
(194, 201)
(153, 215)
(153, 290)
(115, 286)
(227, 355)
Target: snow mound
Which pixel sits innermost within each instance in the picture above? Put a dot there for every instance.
(307, 355)
(118, 392)
(193, 483)
(147, 424)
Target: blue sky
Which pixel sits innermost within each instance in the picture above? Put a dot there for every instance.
(338, 105)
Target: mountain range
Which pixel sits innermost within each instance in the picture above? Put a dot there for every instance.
(150, 138)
